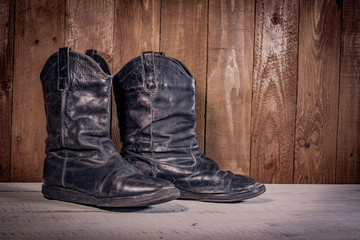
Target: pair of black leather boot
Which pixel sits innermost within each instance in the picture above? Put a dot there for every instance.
(160, 159)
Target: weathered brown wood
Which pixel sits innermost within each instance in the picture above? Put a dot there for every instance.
(43, 26)
(137, 29)
(229, 83)
(90, 25)
(6, 81)
(317, 105)
(184, 37)
(274, 91)
(39, 27)
(348, 144)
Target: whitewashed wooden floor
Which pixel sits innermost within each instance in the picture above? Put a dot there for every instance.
(283, 212)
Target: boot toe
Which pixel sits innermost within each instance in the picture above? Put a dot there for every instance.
(241, 183)
(141, 184)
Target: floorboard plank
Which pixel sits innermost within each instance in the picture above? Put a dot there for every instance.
(283, 212)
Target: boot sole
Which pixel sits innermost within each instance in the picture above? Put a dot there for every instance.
(143, 200)
(221, 197)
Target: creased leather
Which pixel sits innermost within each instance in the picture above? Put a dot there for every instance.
(158, 127)
(79, 152)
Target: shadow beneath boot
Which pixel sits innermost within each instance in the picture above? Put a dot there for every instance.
(170, 207)
(258, 200)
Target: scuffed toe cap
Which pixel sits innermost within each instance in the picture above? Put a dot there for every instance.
(241, 183)
(139, 184)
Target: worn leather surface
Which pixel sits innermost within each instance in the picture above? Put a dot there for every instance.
(79, 152)
(155, 97)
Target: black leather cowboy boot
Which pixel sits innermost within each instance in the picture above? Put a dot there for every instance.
(155, 98)
(81, 164)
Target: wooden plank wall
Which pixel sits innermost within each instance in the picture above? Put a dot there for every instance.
(278, 82)
(274, 90)
(229, 83)
(348, 138)
(318, 87)
(39, 29)
(6, 80)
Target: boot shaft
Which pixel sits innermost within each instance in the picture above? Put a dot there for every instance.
(155, 97)
(77, 102)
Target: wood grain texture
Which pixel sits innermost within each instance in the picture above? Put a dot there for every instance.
(274, 91)
(184, 37)
(39, 27)
(6, 81)
(318, 85)
(297, 123)
(90, 25)
(229, 83)
(348, 143)
(137, 29)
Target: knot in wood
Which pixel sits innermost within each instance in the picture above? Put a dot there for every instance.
(276, 18)
(6, 85)
(302, 142)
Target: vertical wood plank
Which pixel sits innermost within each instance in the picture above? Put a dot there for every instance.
(184, 37)
(90, 25)
(317, 106)
(6, 81)
(137, 29)
(348, 144)
(229, 84)
(274, 90)
(39, 27)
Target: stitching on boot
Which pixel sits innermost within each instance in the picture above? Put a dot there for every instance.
(63, 69)
(63, 75)
(151, 137)
(63, 171)
(149, 72)
(146, 63)
(63, 118)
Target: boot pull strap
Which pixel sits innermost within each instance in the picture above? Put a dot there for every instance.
(149, 71)
(93, 53)
(63, 68)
